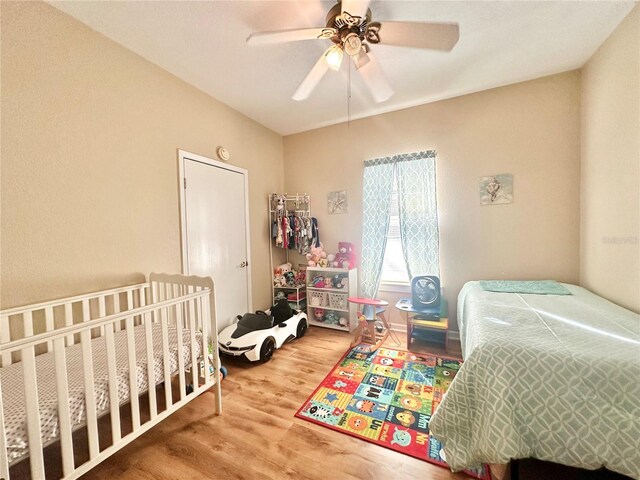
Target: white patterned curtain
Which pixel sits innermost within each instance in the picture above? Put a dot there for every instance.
(416, 177)
(376, 196)
(415, 174)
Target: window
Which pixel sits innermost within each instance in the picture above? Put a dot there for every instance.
(399, 220)
(394, 268)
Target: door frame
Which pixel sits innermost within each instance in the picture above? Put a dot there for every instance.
(184, 155)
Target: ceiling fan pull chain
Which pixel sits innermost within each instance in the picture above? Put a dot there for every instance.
(348, 91)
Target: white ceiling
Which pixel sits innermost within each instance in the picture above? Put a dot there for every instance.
(203, 43)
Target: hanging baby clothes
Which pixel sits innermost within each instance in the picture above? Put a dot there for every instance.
(291, 229)
(303, 237)
(315, 233)
(292, 232)
(284, 231)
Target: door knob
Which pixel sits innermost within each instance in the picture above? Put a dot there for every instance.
(244, 264)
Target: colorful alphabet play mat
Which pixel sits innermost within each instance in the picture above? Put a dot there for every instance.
(385, 397)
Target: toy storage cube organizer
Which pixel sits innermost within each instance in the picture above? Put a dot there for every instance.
(318, 299)
(337, 300)
(327, 293)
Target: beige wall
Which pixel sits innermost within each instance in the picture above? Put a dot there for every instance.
(89, 188)
(89, 163)
(531, 130)
(610, 167)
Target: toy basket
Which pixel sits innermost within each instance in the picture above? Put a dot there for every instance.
(319, 299)
(338, 300)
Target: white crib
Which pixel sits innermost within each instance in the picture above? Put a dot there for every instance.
(68, 362)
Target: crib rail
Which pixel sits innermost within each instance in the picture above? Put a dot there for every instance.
(25, 321)
(172, 301)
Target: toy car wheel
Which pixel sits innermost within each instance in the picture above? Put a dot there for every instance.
(266, 351)
(302, 328)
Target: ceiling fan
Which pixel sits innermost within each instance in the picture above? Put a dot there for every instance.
(351, 30)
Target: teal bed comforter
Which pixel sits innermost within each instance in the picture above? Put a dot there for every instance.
(553, 377)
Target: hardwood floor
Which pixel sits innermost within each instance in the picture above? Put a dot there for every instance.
(257, 436)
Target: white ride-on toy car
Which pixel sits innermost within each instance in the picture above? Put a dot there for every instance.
(257, 335)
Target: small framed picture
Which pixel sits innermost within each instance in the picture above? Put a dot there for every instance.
(337, 202)
(496, 190)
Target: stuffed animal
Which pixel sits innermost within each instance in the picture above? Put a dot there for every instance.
(301, 277)
(346, 256)
(327, 282)
(280, 281)
(318, 314)
(316, 255)
(331, 259)
(283, 269)
(343, 321)
(280, 201)
(339, 281)
(290, 278)
(318, 281)
(332, 318)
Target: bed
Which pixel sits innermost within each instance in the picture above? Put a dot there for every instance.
(69, 362)
(552, 377)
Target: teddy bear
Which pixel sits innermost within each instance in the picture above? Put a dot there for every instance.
(346, 256)
(317, 256)
(283, 269)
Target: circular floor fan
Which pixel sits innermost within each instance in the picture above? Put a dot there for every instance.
(425, 291)
(350, 28)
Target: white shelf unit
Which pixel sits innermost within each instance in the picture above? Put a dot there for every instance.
(298, 204)
(300, 303)
(331, 299)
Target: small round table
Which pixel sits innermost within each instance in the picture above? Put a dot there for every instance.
(366, 331)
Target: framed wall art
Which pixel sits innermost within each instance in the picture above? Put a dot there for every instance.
(496, 190)
(337, 202)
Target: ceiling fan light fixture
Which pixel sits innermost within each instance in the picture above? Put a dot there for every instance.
(333, 57)
(352, 44)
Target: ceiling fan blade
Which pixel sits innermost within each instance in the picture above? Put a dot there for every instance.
(434, 36)
(355, 8)
(311, 80)
(296, 35)
(375, 79)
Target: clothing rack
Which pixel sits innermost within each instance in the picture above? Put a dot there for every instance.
(283, 205)
(296, 199)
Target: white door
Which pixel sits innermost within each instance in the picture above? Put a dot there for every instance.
(215, 231)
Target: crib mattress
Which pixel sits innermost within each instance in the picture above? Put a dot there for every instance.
(12, 380)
